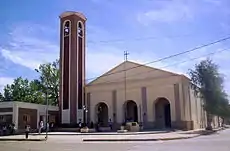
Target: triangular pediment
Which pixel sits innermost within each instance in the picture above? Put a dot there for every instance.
(134, 71)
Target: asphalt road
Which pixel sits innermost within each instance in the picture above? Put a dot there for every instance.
(220, 141)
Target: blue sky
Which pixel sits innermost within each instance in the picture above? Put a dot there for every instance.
(147, 29)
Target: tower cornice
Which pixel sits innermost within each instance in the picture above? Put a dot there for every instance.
(69, 13)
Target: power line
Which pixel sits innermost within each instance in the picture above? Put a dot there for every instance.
(136, 39)
(167, 57)
(110, 81)
(141, 38)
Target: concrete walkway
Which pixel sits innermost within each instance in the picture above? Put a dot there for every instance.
(151, 137)
(22, 138)
(147, 137)
(105, 133)
(131, 136)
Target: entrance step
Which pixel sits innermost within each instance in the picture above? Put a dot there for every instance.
(105, 129)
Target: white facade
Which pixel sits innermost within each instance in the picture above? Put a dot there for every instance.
(41, 109)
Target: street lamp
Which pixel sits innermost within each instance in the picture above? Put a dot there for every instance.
(47, 104)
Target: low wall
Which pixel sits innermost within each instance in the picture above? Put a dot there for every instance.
(67, 129)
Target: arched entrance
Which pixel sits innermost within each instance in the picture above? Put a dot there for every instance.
(102, 113)
(162, 113)
(131, 111)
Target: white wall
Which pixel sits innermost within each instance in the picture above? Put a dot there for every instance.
(65, 118)
(41, 109)
(9, 105)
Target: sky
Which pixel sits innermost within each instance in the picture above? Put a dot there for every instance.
(147, 29)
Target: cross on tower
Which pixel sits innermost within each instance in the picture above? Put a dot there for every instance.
(126, 55)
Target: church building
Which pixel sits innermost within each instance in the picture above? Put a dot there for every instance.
(153, 97)
(129, 92)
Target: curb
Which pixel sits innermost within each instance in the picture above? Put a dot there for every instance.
(23, 139)
(133, 140)
(108, 133)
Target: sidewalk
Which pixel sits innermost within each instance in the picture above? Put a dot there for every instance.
(130, 136)
(152, 137)
(104, 133)
(147, 137)
(22, 138)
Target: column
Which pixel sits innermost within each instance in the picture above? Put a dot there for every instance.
(15, 115)
(114, 105)
(144, 105)
(177, 122)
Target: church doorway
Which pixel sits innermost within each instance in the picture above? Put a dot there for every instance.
(131, 111)
(162, 113)
(102, 114)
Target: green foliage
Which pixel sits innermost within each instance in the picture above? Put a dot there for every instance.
(223, 108)
(49, 80)
(35, 91)
(22, 90)
(207, 83)
(7, 93)
(1, 97)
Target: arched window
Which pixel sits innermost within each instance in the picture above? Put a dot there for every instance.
(80, 30)
(66, 70)
(80, 45)
(67, 28)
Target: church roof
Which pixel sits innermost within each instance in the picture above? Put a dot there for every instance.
(132, 66)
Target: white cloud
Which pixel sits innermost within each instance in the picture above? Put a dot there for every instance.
(27, 49)
(102, 59)
(170, 11)
(215, 2)
(173, 11)
(4, 81)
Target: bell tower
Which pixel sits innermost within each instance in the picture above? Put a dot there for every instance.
(72, 66)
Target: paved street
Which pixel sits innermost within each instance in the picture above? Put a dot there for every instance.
(213, 142)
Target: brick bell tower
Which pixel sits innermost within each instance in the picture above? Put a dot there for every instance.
(72, 66)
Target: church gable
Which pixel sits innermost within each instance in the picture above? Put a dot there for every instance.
(134, 71)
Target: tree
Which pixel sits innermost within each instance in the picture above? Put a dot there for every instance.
(1, 97)
(20, 89)
(7, 93)
(35, 91)
(223, 109)
(208, 83)
(23, 90)
(35, 94)
(49, 80)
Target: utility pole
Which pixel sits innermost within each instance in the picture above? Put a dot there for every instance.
(125, 59)
(47, 113)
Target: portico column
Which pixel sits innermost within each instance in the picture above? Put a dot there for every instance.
(15, 115)
(114, 106)
(144, 105)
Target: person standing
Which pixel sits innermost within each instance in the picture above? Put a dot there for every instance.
(4, 129)
(52, 127)
(47, 127)
(110, 124)
(80, 124)
(27, 130)
(41, 126)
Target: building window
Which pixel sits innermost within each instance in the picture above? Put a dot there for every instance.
(80, 50)
(66, 61)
